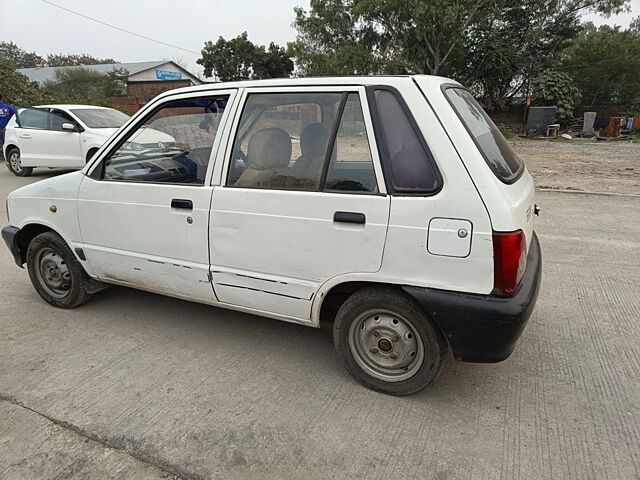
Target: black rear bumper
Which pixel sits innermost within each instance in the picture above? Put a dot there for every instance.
(9, 235)
(484, 328)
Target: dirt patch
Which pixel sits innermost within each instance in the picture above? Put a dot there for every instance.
(586, 165)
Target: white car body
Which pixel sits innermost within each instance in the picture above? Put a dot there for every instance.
(55, 147)
(280, 253)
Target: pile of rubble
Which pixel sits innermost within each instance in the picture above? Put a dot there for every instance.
(601, 127)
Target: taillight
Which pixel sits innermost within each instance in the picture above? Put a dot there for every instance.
(509, 261)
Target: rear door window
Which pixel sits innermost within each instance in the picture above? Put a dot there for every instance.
(308, 141)
(495, 149)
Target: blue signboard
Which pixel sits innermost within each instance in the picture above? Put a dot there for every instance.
(167, 75)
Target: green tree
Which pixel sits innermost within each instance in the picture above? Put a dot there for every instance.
(332, 40)
(494, 46)
(20, 58)
(605, 63)
(241, 59)
(557, 89)
(62, 60)
(82, 85)
(17, 89)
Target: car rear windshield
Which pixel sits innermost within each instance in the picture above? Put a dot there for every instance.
(101, 117)
(494, 148)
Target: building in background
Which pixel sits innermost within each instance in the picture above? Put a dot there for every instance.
(145, 80)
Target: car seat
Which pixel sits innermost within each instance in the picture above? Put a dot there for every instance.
(313, 145)
(268, 155)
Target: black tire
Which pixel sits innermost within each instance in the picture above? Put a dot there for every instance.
(76, 284)
(20, 171)
(419, 359)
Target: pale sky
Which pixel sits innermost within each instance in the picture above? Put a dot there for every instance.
(37, 26)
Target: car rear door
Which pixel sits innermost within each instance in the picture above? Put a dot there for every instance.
(301, 198)
(43, 142)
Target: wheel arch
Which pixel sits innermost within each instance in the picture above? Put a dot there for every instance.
(28, 233)
(8, 146)
(331, 297)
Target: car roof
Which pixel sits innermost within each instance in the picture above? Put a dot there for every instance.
(384, 80)
(74, 107)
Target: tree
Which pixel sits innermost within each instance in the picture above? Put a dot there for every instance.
(82, 85)
(494, 46)
(332, 40)
(557, 89)
(241, 59)
(23, 59)
(605, 64)
(62, 60)
(18, 57)
(17, 89)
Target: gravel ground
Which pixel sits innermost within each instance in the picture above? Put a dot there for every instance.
(585, 165)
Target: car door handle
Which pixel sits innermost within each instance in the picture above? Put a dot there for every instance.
(181, 203)
(349, 217)
(25, 135)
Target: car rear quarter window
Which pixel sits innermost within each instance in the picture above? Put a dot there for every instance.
(495, 149)
(410, 168)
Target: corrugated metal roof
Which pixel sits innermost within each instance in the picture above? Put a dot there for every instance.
(42, 74)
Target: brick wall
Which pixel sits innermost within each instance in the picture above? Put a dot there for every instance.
(139, 93)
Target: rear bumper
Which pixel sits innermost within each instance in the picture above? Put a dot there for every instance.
(10, 237)
(484, 328)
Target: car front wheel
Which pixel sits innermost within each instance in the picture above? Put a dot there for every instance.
(386, 341)
(15, 163)
(55, 272)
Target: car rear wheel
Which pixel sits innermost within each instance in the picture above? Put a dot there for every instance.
(386, 341)
(55, 272)
(15, 164)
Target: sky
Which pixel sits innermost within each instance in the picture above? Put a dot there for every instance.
(37, 26)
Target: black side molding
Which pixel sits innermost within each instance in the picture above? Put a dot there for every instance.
(181, 203)
(349, 217)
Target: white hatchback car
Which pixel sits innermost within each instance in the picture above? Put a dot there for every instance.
(389, 207)
(63, 136)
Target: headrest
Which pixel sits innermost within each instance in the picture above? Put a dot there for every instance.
(268, 149)
(313, 139)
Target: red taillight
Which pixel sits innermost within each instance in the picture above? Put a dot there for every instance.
(509, 261)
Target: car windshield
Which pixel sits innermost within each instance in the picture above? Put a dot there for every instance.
(101, 117)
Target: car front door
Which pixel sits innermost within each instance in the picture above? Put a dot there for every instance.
(301, 199)
(44, 143)
(144, 208)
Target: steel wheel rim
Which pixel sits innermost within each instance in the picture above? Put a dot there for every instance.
(14, 161)
(386, 345)
(53, 272)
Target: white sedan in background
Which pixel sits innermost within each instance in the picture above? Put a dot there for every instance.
(61, 136)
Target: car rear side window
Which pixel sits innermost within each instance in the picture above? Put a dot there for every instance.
(405, 152)
(495, 149)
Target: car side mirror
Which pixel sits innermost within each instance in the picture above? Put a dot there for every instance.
(69, 127)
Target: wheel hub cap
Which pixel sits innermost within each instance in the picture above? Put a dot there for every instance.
(386, 345)
(14, 160)
(53, 272)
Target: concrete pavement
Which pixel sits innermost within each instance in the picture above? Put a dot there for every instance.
(136, 385)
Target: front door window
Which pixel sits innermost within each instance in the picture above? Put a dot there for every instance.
(172, 145)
